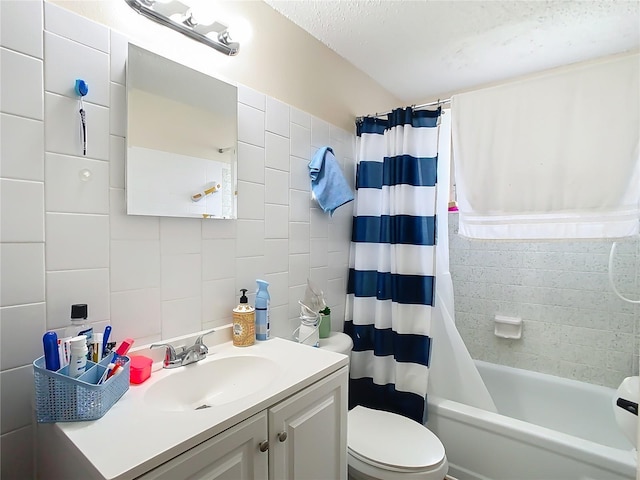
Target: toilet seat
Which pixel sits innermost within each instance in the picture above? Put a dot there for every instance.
(393, 443)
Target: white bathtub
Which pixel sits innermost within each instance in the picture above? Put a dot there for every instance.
(547, 428)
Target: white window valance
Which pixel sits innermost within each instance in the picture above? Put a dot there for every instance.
(555, 156)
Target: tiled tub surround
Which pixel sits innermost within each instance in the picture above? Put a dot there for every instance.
(574, 326)
(65, 241)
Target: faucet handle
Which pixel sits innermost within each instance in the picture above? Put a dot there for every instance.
(199, 339)
(170, 352)
(202, 348)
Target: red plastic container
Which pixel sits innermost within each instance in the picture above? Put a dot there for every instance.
(140, 369)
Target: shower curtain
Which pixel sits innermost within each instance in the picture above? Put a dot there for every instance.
(391, 288)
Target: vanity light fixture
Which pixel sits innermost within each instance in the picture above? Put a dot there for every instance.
(181, 17)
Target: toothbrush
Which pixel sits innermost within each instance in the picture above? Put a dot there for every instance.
(105, 339)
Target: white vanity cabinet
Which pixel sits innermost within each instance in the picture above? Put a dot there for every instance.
(287, 422)
(232, 455)
(308, 432)
(301, 437)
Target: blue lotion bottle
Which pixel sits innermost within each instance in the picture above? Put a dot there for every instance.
(262, 310)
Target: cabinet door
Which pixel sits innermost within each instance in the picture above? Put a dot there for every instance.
(308, 432)
(234, 454)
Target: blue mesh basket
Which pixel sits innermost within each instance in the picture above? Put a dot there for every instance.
(59, 398)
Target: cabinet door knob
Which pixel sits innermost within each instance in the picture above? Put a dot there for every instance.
(264, 446)
(282, 436)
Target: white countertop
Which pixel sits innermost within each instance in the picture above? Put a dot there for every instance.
(132, 438)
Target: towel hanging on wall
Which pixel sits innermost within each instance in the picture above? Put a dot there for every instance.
(329, 187)
(555, 156)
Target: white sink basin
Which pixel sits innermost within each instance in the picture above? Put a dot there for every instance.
(210, 383)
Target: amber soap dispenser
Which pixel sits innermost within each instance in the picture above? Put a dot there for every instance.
(244, 322)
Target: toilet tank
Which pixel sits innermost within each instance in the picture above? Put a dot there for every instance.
(337, 342)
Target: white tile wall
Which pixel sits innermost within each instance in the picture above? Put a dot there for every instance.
(250, 125)
(66, 60)
(251, 200)
(65, 236)
(16, 446)
(135, 264)
(64, 137)
(77, 241)
(117, 148)
(25, 224)
(22, 327)
(278, 182)
(180, 235)
(574, 325)
(136, 313)
(300, 141)
(217, 262)
(299, 168)
(276, 253)
(181, 275)
(118, 57)
(22, 273)
(76, 185)
(300, 118)
(83, 31)
(21, 84)
(299, 239)
(22, 260)
(251, 163)
(22, 148)
(16, 387)
(21, 26)
(276, 221)
(155, 278)
(252, 98)
(277, 150)
(181, 316)
(299, 205)
(277, 117)
(67, 287)
(118, 107)
(320, 133)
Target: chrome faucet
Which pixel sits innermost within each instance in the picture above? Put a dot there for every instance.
(184, 356)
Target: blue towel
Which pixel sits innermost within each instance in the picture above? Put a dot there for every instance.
(329, 186)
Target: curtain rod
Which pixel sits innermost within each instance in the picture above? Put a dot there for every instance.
(431, 104)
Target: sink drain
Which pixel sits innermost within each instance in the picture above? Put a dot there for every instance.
(202, 407)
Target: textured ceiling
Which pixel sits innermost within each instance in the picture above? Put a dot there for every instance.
(423, 49)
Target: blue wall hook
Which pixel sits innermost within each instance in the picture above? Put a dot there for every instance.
(81, 87)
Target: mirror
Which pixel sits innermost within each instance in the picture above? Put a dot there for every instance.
(181, 140)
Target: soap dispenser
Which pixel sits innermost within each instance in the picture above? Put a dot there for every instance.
(244, 322)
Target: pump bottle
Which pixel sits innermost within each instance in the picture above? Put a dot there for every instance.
(244, 321)
(262, 311)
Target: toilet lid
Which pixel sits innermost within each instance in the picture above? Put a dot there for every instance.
(337, 342)
(392, 440)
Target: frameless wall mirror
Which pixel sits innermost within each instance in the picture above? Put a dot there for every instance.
(181, 140)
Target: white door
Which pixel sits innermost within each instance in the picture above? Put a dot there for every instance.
(232, 455)
(308, 432)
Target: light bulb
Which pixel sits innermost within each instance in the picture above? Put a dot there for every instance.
(240, 30)
(202, 14)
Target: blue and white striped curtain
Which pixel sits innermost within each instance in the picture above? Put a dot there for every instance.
(391, 284)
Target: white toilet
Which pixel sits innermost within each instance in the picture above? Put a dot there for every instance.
(387, 446)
